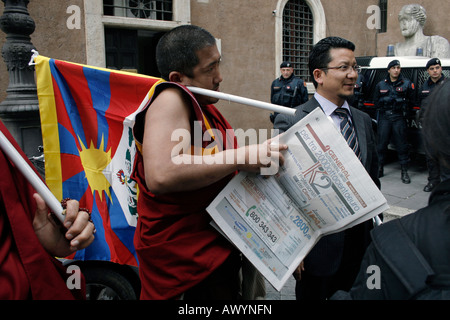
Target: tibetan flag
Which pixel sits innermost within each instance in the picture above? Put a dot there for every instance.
(87, 115)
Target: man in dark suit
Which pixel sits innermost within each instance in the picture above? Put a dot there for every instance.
(334, 261)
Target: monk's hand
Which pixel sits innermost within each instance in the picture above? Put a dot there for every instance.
(76, 233)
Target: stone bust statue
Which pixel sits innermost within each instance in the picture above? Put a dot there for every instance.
(412, 18)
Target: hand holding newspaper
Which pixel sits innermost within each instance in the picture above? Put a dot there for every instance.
(322, 188)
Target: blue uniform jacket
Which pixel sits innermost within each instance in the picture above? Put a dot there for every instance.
(289, 92)
(394, 96)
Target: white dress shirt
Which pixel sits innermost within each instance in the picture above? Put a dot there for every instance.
(328, 108)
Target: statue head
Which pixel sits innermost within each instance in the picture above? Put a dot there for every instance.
(412, 17)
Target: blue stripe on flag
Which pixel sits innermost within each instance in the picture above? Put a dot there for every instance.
(75, 187)
(67, 143)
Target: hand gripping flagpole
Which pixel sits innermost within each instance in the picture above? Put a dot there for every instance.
(242, 100)
(32, 177)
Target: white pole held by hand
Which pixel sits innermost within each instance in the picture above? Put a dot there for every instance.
(32, 177)
(247, 101)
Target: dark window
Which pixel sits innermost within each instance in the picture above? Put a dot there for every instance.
(142, 9)
(383, 15)
(132, 50)
(121, 49)
(298, 36)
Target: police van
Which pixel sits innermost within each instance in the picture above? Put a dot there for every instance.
(412, 68)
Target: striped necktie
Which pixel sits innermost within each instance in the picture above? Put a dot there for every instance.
(348, 131)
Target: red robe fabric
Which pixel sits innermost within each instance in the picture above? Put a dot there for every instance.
(176, 246)
(27, 271)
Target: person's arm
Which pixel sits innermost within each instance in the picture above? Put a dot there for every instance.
(422, 104)
(304, 92)
(411, 96)
(169, 166)
(376, 97)
(272, 93)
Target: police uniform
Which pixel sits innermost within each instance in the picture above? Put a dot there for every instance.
(358, 93)
(429, 85)
(289, 92)
(392, 100)
(435, 174)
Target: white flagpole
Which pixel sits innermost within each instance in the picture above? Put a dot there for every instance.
(242, 100)
(32, 177)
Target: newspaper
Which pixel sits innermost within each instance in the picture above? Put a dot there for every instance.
(322, 188)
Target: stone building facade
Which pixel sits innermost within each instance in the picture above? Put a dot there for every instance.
(255, 36)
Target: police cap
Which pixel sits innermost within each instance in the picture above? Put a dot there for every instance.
(393, 63)
(433, 62)
(286, 64)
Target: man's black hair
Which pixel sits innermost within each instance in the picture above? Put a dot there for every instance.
(320, 56)
(177, 49)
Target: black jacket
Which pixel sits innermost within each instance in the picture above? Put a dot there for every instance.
(425, 91)
(394, 96)
(289, 92)
(429, 231)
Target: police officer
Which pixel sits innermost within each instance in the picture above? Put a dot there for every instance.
(358, 93)
(392, 98)
(435, 78)
(434, 69)
(288, 90)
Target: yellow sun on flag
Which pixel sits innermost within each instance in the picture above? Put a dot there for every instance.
(94, 161)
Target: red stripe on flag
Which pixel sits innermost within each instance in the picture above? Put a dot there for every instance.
(73, 169)
(74, 76)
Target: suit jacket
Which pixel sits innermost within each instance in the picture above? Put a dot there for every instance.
(326, 256)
